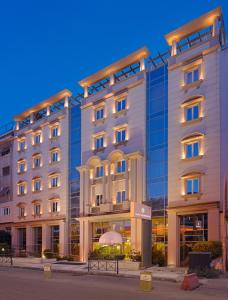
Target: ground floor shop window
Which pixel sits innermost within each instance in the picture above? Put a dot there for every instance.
(122, 227)
(193, 229)
(159, 240)
(55, 239)
(75, 239)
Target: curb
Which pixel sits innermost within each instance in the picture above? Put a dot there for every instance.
(100, 273)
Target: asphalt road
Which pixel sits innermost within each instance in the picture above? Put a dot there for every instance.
(18, 284)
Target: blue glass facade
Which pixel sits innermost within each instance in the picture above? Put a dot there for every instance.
(74, 177)
(157, 149)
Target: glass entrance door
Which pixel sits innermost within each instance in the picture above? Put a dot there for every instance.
(193, 229)
(37, 246)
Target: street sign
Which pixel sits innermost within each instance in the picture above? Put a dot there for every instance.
(140, 211)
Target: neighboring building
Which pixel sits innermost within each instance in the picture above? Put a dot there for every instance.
(6, 183)
(40, 177)
(196, 135)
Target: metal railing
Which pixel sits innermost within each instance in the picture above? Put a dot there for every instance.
(103, 265)
(6, 259)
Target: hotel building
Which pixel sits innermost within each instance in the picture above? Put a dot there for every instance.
(147, 132)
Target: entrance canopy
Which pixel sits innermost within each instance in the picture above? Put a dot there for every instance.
(111, 238)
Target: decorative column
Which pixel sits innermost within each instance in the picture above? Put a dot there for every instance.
(32, 118)
(174, 48)
(142, 64)
(86, 92)
(140, 179)
(85, 239)
(66, 102)
(109, 194)
(46, 238)
(215, 29)
(48, 111)
(214, 224)
(14, 239)
(136, 234)
(174, 239)
(17, 125)
(127, 182)
(63, 242)
(29, 239)
(104, 181)
(112, 80)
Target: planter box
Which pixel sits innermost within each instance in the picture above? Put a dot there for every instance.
(129, 265)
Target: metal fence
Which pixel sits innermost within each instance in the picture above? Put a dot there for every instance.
(6, 259)
(103, 265)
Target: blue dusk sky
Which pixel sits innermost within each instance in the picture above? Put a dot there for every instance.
(48, 45)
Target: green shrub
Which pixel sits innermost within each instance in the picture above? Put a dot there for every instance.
(215, 247)
(48, 254)
(158, 256)
(135, 255)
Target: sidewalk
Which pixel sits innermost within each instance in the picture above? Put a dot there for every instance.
(167, 274)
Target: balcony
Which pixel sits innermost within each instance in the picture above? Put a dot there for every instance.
(109, 208)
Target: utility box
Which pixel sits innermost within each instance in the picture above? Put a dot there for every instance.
(146, 283)
(199, 260)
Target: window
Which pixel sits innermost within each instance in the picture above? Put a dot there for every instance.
(6, 171)
(22, 188)
(55, 132)
(121, 105)
(55, 157)
(99, 171)
(37, 209)
(54, 181)
(192, 112)
(192, 149)
(21, 145)
(121, 135)
(192, 186)
(37, 139)
(99, 142)
(5, 151)
(99, 113)
(21, 211)
(121, 166)
(99, 200)
(55, 206)
(120, 197)
(37, 161)
(6, 211)
(21, 166)
(192, 76)
(37, 185)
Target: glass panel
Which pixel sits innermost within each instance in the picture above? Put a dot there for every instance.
(189, 77)
(189, 150)
(196, 74)
(196, 149)
(196, 186)
(189, 114)
(196, 112)
(189, 186)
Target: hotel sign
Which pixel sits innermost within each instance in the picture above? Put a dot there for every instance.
(140, 211)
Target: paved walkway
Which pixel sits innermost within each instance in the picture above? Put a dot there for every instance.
(168, 274)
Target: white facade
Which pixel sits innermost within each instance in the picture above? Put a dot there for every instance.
(40, 182)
